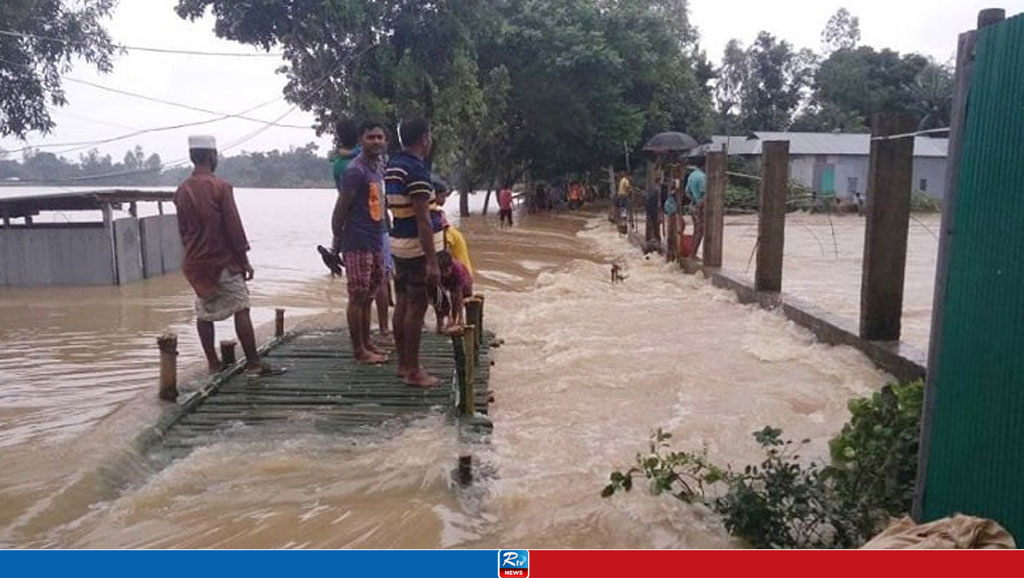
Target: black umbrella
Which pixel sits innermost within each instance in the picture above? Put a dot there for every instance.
(666, 142)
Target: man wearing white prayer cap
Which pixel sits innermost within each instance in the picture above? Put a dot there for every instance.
(216, 263)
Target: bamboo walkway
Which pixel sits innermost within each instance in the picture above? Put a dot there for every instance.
(323, 391)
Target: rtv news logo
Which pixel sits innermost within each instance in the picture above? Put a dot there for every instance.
(513, 563)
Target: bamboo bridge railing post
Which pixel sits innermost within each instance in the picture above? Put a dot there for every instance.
(227, 352)
(168, 345)
(463, 370)
(279, 322)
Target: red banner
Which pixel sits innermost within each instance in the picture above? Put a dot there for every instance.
(774, 563)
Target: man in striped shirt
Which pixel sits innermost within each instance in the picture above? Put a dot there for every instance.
(417, 236)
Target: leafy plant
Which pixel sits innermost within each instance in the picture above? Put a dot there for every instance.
(784, 502)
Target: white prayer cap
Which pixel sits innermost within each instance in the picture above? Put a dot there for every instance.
(201, 141)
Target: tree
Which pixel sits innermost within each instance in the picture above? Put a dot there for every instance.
(731, 78)
(841, 33)
(553, 87)
(931, 96)
(31, 66)
(864, 81)
(777, 78)
(828, 117)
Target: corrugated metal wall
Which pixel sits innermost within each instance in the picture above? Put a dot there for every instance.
(976, 461)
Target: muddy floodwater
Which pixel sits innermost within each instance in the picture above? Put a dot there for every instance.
(588, 369)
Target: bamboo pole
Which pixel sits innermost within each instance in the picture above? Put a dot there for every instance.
(479, 323)
(227, 352)
(474, 315)
(462, 365)
(468, 398)
(279, 322)
(168, 345)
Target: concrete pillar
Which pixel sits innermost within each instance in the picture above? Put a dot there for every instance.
(771, 222)
(890, 176)
(714, 212)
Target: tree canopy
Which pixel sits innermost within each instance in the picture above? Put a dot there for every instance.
(771, 86)
(53, 33)
(552, 87)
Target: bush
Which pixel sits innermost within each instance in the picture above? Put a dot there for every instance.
(922, 203)
(784, 502)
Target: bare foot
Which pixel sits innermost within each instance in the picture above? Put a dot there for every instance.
(375, 350)
(420, 378)
(370, 358)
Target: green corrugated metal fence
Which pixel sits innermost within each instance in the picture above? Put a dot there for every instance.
(976, 457)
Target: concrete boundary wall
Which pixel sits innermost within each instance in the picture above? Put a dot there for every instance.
(904, 361)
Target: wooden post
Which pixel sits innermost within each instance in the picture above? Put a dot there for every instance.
(890, 174)
(465, 470)
(474, 310)
(458, 335)
(468, 401)
(133, 209)
(168, 345)
(7, 221)
(279, 322)
(714, 210)
(160, 207)
(227, 352)
(990, 16)
(771, 221)
(958, 119)
(28, 220)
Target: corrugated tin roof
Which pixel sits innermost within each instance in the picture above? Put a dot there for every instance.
(823, 143)
(77, 201)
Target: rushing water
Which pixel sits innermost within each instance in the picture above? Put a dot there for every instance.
(587, 370)
(823, 260)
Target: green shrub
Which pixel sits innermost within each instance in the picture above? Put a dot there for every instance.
(785, 502)
(922, 203)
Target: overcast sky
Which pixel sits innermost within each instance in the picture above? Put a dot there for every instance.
(231, 85)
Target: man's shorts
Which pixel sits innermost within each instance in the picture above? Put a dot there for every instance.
(410, 274)
(364, 271)
(232, 296)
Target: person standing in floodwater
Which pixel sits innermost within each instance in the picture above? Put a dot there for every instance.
(357, 223)
(417, 236)
(216, 263)
(696, 190)
(505, 206)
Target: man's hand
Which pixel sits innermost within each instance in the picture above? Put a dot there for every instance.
(433, 273)
(249, 273)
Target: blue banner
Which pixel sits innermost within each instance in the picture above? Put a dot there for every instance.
(249, 563)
